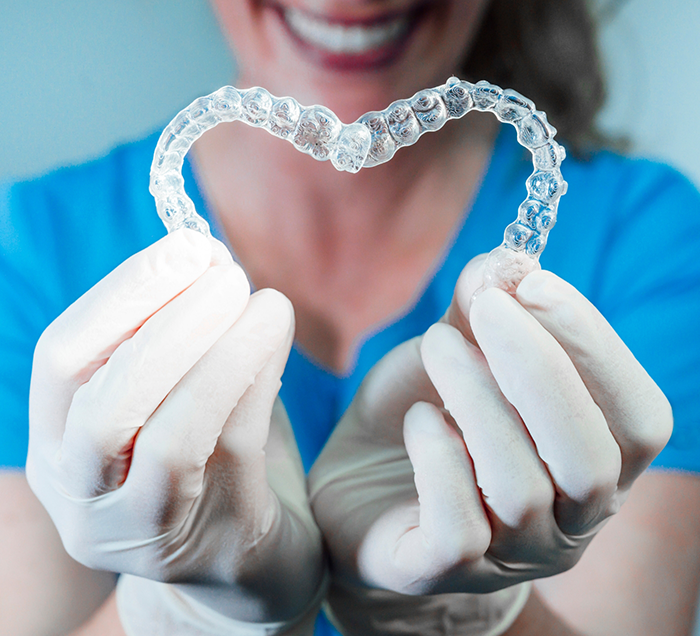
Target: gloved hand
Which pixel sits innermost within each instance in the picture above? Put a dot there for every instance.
(486, 453)
(158, 444)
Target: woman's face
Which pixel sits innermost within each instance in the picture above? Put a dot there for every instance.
(350, 55)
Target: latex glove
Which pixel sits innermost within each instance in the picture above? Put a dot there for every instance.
(156, 442)
(486, 453)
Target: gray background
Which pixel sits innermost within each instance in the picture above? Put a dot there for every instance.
(78, 76)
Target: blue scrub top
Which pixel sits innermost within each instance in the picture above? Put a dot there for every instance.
(628, 237)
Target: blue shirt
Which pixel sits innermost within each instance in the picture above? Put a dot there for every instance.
(628, 237)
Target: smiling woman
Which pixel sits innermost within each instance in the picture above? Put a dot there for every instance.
(457, 445)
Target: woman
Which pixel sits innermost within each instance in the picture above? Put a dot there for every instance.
(157, 443)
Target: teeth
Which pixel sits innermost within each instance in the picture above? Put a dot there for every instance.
(341, 39)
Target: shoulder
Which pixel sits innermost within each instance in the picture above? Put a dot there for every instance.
(618, 173)
(628, 238)
(625, 227)
(76, 223)
(615, 207)
(80, 195)
(624, 222)
(627, 193)
(60, 234)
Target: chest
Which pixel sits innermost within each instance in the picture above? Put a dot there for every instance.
(343, 286)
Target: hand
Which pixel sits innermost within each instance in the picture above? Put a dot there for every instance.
(157, 441)
(486, 453)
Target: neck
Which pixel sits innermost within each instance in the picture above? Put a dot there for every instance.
(269, 183)
(305, 229)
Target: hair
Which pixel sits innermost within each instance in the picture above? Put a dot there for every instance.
(547, 50)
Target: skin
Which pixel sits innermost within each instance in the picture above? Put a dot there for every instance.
(336, 243)
(350, 252)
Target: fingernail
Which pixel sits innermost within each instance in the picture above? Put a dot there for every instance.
(533, 286)
(194, 238)
(220, 254)
(425, 418)
(442, 343)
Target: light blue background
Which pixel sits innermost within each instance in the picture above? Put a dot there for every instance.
(79, 76)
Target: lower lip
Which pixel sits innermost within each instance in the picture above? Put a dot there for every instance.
(368, 61)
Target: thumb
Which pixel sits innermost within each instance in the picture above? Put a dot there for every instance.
(469, 283)
(502, 268)
(409, 548)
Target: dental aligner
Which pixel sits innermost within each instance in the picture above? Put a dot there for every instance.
(372, 140)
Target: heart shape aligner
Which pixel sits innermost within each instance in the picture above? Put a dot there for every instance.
(370, 141)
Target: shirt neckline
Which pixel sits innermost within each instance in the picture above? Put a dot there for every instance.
(465, 242)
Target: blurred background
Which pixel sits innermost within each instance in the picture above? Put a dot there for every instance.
(79, 76)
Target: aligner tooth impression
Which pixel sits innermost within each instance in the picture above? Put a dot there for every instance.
(370, 141)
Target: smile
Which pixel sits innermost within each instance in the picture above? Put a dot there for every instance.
(351, 44)
(339, 38)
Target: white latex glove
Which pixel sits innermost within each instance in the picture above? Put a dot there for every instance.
(486, 453)
(159, 447)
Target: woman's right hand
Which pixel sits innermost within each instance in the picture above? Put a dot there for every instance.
(158, 444)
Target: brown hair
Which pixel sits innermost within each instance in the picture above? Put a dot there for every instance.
(547, 50)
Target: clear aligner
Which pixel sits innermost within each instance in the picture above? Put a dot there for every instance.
(372, 140)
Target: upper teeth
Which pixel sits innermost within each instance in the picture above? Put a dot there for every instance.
(337, 38)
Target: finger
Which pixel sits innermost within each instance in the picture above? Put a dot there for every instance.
(268, 337)
(285, 470)
(469, 282)
(369, 441)
(452, 516)
(537, 377)
(502, 268)
(408, 549)
(107, 411)
(228, 394)
(515, 485)
(220, 254)
(637, 412)
(393, 385)
(243, 445)
(81, 340)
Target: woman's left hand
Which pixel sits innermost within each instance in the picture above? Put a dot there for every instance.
(490, 450)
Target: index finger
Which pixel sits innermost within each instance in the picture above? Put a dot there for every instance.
(84, 336)
(501, 268)
(637, 412)
(471, 279)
